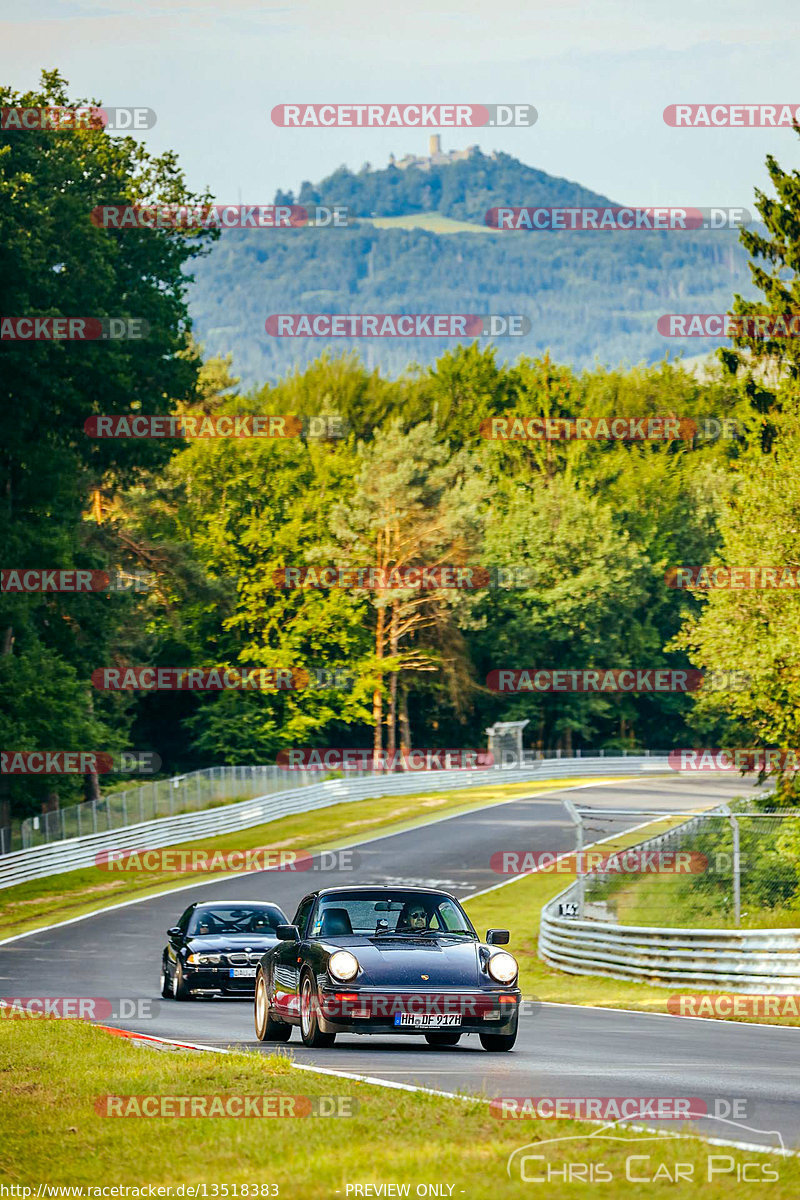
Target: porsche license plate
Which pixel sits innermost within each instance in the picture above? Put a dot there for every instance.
(243, 972)
(427, 1020)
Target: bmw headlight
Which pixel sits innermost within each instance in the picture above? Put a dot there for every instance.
(202, 959)
(343, 965)
(502, 967)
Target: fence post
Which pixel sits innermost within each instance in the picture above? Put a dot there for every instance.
(737, 874)
(577, 820)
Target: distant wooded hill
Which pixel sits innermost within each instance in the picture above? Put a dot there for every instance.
(591, 297)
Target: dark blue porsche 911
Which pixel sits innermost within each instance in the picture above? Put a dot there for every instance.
(386, 960)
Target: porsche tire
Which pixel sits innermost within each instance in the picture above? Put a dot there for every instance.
(310, 1031)
(498, 1041)
(442, 1039)
(267, 1028)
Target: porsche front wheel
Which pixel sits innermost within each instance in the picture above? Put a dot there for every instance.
(309, 1017)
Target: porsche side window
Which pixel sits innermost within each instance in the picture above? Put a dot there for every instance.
(301, 916)
(450, 918)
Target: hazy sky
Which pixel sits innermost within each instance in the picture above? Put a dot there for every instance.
(599, 75)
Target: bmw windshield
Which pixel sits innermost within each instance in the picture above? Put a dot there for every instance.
(390, 913)
(235, 918)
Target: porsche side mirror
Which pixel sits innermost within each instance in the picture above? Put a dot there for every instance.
(497, 937)
(175, 931)
(287, 933)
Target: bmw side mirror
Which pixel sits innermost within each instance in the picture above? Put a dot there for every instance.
(175, 931)
(497, 937)
(287, 933)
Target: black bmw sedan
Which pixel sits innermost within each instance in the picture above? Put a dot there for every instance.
(387, 960)
(215, 949)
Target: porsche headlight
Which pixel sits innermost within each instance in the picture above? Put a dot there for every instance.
(343, 965)
(502, 967)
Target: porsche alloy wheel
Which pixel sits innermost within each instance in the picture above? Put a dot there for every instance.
(268, 1029)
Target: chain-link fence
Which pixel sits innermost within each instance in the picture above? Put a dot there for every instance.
(162, 798)
(219, 785)
(729, 867)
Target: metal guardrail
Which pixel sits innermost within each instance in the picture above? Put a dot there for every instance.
(74, 853)
(738, 960)
(192, 792)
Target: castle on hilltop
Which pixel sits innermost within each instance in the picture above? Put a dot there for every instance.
(436, 158)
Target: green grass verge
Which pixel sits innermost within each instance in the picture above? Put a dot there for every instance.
(53, 1072)
(59, 897)
(518, 907)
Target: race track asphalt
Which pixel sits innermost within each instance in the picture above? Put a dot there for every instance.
(561, 1050)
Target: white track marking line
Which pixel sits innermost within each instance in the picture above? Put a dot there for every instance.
(639, 1012)
(375, 1081)
(349, 846)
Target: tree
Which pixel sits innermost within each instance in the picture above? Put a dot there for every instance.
(415, 504)
(55, 262)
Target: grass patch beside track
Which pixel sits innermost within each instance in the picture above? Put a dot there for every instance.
(52, 1072)
(55, 898)
(518, 906)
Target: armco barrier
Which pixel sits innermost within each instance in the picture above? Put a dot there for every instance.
(736, 960)
(73, 853)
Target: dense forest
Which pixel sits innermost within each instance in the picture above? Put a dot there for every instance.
(585, 531)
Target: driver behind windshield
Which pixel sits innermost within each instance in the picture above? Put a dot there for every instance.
(413, 918)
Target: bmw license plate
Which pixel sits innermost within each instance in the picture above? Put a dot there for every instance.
(427, 1020)
(243, 972)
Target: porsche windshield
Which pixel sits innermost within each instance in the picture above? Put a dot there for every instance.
(235, 918)
(396, 914)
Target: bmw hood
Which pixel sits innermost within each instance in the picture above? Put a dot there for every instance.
(222, 942)
(402, 962)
